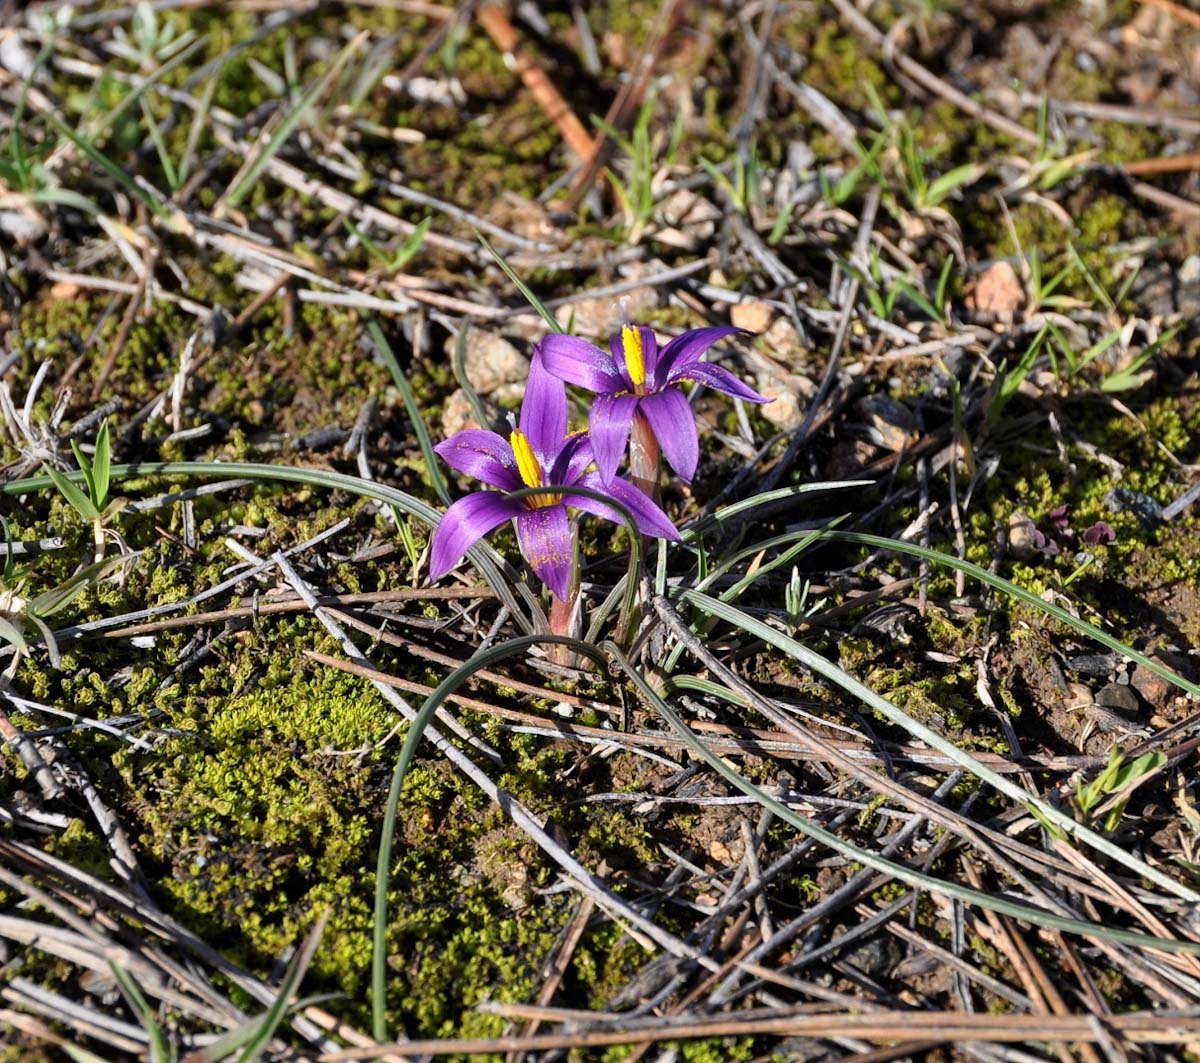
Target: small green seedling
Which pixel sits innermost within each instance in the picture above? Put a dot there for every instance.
(392, 261)
(1102, 801)
(795, 597)
(93, 506)
(638, 196)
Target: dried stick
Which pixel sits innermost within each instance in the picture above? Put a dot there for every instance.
(504, 35)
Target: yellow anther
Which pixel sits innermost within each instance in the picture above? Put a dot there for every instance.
(527, 464)
(635, 358)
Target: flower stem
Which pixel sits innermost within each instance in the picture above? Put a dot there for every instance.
(644, 458)
(565, 615)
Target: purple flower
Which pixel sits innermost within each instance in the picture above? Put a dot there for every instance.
(538, 453)
(638, 377)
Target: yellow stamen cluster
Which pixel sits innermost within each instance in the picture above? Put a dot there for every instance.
(530, 469)
(635, 358)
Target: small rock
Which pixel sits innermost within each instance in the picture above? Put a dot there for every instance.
(1022, 535)
(752, 315)
(491, 361)
(1118, 698)
(458, 414)
(688, 218)
(998, 290)
(806, 1050)
(891, 423)
(1124, 500)
(785, 409)
(24, 226)
(1189, 272)
(64, 290)
(17, 57)
(783, 342)
(599, 317)
(877, 957)
(1154, 689)
(1157, 691)
(848, 459)
(1077, 697)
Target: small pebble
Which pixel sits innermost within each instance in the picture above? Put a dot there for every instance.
(1123, 500)
(1118, 698)
(752, 315)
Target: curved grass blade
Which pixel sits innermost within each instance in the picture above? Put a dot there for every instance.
(287, 989)
(734, 509)
(988, 901)
(414, 411)
(522, 287)
(159, 1051)
(1001, 584)
(246, 179)
(847, 682)
(152, 203)
(483, 659)
(481, 555)
(464, 382)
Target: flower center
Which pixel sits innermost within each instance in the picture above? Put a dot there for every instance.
(635, 357)
(530, 469)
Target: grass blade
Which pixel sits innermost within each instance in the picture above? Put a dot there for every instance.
(991, 902)
(246, 179)
(464, 382)
(822, 666)
(287, 989)
(522, 287)
(159, 1051)
(414, 410)
(481, 555)
(1001, 584)
(482, 659)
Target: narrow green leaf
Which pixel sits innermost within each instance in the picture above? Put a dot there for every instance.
(952, 180)
(101, 463)
(85, 467)
(248, 178)
(988, 901)
(80, 501)
(160, 147)
(460, 374)
(414, 410)
(522, 287)
(159, 1051)
(287, 989)
(849, 683)
(107, 165)
(482, 556)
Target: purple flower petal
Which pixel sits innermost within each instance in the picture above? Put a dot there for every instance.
(578, 362)
(544, 411)
(649, 518)
(687, 348)
(482, 455)
(575, 456)
(608, 427)
(1100, 532)
(713, 376)
(466, 522)
(545, 536)
(673, 423)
